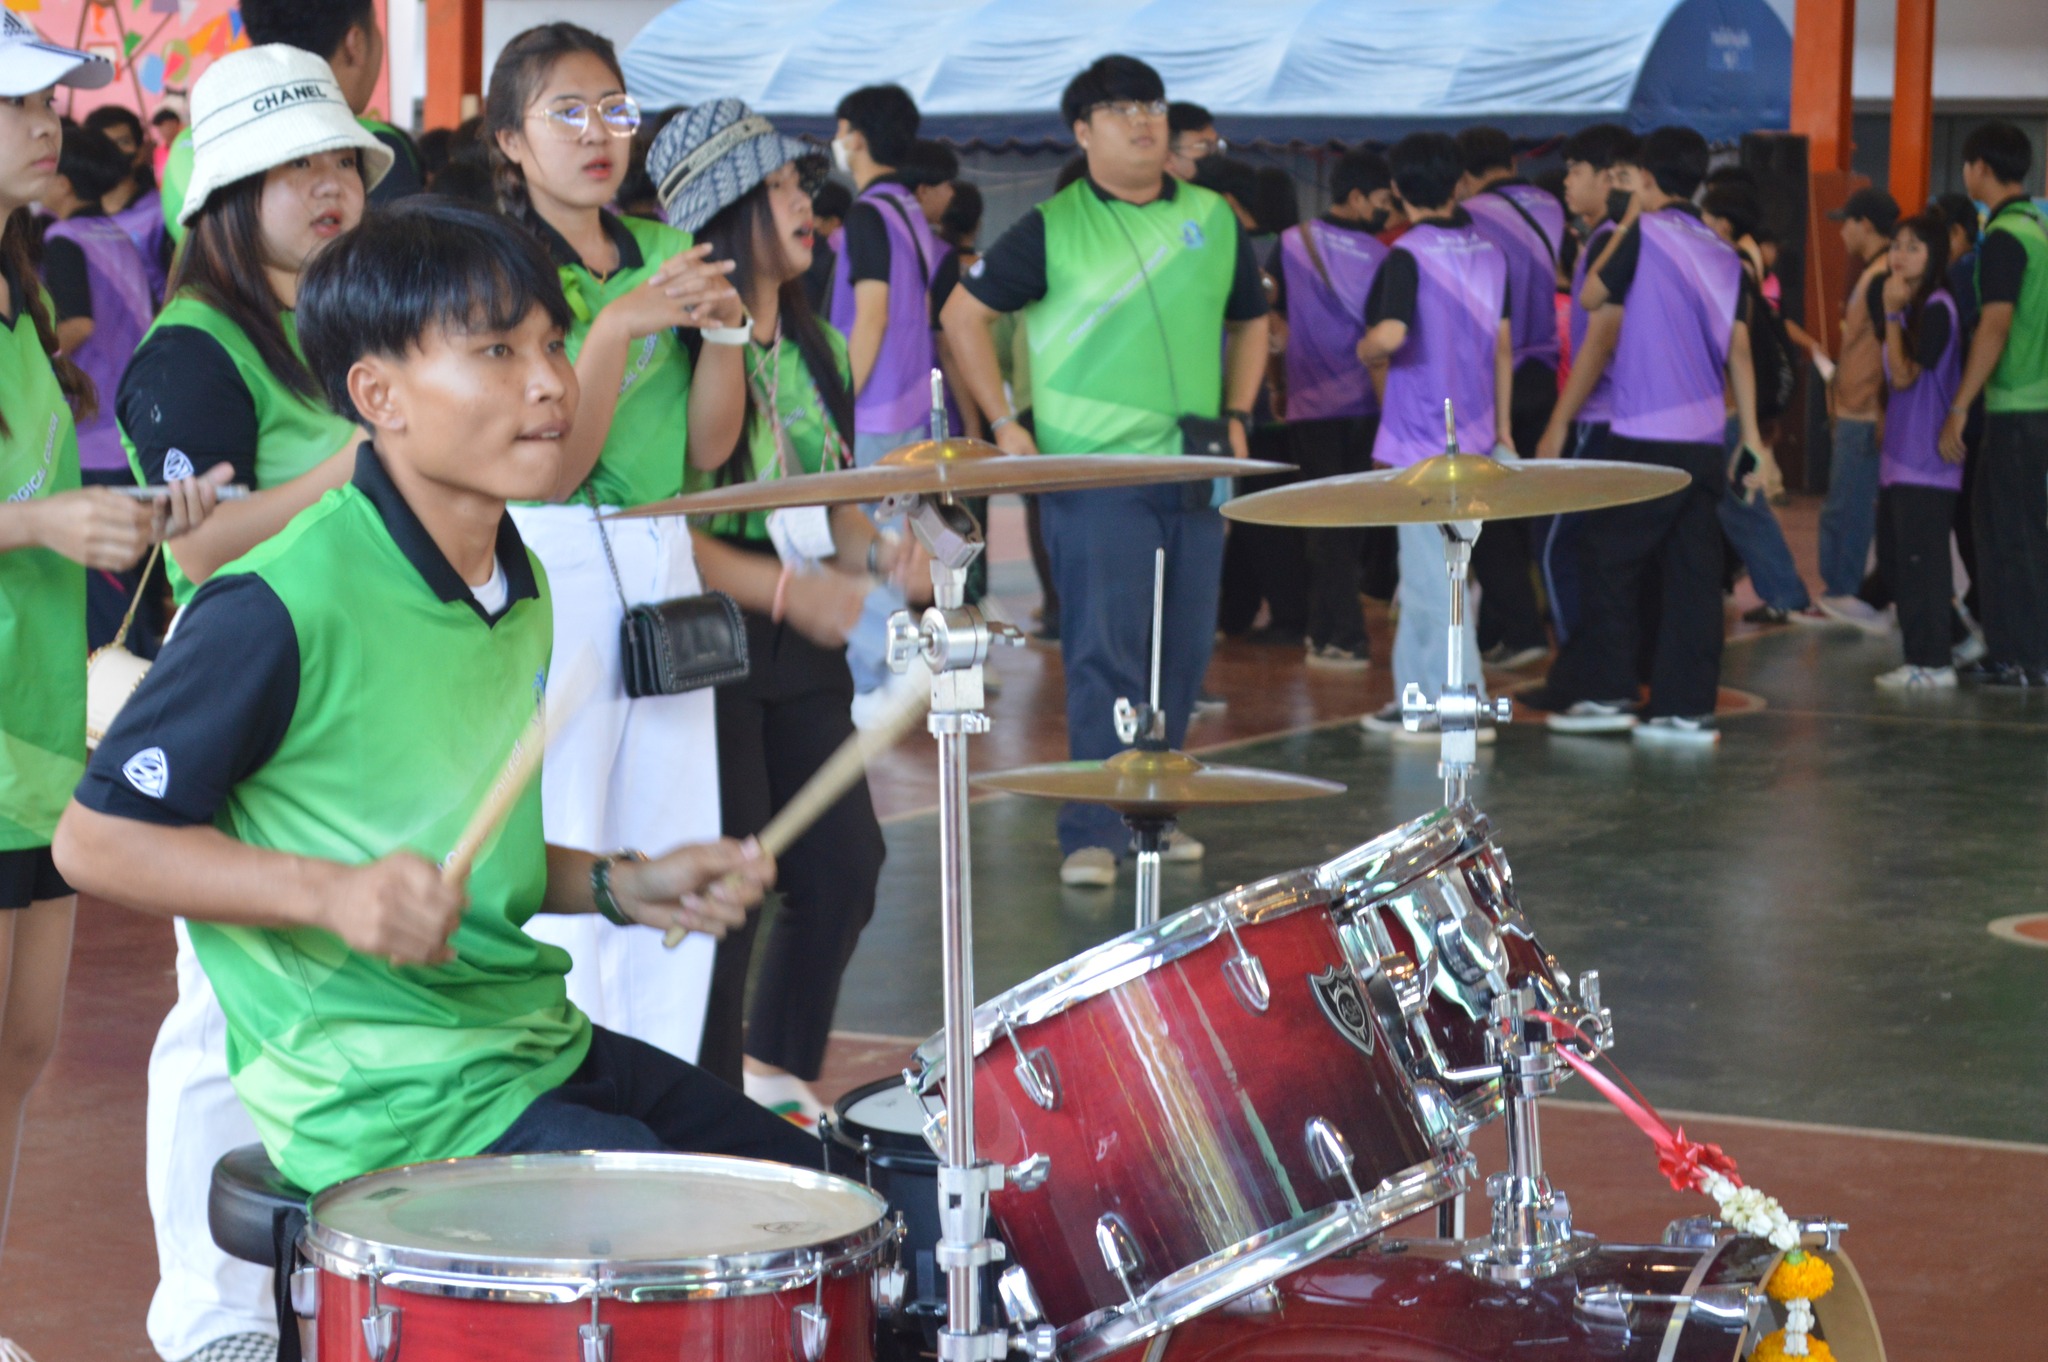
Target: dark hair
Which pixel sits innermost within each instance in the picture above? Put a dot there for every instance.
(221, 264)
(1483, 149)
(120, 116)
(1277, 205)
(1960, 212)
(928, 164)
(316, 26)
(2003, 148)
(1228, 175)
(165, 115)
(887, 116)
(465, 181)
(470, 144)
(17, 244)
(435, 146)
(1736, 202)
(962, 218)
(1425, 167)
(638, 194)
(1602, 146)
(91, 161)
(1930, 229)
(516, 80)
(1110, 79)
(1676, 158)
(738, 233)
(422, 264)
(1076, 168)
(1182, 116)
(831, 200)
(1362, 169)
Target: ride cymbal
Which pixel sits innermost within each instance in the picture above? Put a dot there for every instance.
(954, 468)
(1157, 783)
(1457, 487)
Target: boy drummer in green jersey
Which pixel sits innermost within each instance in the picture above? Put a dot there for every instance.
(332, 710)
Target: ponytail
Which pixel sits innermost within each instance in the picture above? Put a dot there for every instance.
(15, 259)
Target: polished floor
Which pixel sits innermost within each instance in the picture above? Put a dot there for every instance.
(1791, 931)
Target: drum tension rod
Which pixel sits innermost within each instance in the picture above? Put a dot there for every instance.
(595, 1339)
(380, 1324)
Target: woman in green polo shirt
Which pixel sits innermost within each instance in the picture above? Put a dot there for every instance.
(751, 201)
(622, 773)
(51, 532)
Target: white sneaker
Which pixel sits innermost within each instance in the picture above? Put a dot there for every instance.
(1910, 677)
(1593, 716)
(787, 1096)
(872, 708)
(1970, 649)
(1332, 657)
(1182, 849)
(1678, 731)
(1090, 868)
(1857, 611)
(1507, 659)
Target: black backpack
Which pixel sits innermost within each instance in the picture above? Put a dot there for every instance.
(1771, 354)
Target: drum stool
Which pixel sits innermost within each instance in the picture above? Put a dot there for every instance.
(256, 1215)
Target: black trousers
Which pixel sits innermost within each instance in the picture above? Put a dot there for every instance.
(1336, 558)
(1264, 564)
(2011, 509)
(1502, 561)
(775, 729)
(1915, 560)
(1678, 537)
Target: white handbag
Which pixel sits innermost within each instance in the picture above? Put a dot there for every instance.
(112, 673)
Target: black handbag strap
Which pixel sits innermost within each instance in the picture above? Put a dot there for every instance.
(618, 584)
(924, 267)
(1315, 255)
(1529, 218)
(1158, 317)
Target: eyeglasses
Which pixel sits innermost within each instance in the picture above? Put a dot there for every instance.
(1131, 110)
(620, 115)
(1195, 148)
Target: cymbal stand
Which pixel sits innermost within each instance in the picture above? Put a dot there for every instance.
(1144, 726)
(954, 638)
(1460, 708)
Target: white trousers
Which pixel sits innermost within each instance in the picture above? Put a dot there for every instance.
(1422, 638)
(638, 774)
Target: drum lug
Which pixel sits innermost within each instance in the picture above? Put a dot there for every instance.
(1019, 1297)
(810, 1328)
(1330, 1154)
(380, 1327)
(306, 1292)
(1246, 974)
(1036, 1073)
(1596, 1021)
(1695, 1231)
(595, 1341)
(1120, 1252)
(1029, 1175)
(1609, 1308)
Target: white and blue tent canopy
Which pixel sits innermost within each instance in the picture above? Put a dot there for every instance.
(991, 71)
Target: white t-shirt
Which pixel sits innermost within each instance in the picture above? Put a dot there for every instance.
(493, 594)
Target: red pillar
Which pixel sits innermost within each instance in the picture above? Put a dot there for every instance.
(1823, 51)
(1913, 104)
(455, 61)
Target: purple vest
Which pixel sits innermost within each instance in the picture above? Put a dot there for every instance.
(1671, 359)
(143, 221)
(1598, 406)
(122, 305)
(1532, 262)
(898, 395)
(1326, 320)
(1913, 416)
(1461, 283)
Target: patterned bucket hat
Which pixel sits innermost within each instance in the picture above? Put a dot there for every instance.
(707, 159)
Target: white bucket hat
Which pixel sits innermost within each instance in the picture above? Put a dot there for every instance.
(262, 107)
(28, 64)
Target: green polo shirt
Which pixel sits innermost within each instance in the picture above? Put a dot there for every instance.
(339, 693)
(778, 372)
(2020, 382)
(42, 599)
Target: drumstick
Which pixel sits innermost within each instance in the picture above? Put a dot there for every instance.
(830, 782)
(549, 712)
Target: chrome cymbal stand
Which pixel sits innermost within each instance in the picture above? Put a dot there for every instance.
(1143, 726)
(954, 638)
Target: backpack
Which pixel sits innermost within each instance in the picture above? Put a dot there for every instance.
(1770, 355)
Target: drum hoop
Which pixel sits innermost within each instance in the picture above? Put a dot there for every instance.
(1376, 868)
(858, 1138)
(483, 1276)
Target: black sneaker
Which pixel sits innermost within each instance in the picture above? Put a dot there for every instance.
(1986, 671)
(1767, 614)
(2019, 678)
(1209, 702)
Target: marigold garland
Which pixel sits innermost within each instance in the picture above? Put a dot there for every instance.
(1801, 1276)
(1776, 1347)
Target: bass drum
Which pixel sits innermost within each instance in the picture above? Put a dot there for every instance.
(1409, 1301)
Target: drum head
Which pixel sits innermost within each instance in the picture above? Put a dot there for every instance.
(696, 1217)
(885, 1108)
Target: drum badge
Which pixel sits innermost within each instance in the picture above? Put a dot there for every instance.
(1338, 995)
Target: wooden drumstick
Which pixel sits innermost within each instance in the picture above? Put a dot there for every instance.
(830, 782)
(548, 714)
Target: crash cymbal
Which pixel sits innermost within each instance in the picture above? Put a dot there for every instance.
(1157, 783)
(955, 468)
(1457, 487)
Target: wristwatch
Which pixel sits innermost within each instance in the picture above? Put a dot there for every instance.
(999, 422)
(601, 886)
(1243, 418)
(738, 334)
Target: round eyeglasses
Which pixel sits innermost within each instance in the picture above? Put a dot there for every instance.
(619, 114)
(1132, 110)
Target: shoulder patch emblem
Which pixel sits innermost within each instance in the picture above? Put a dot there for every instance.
(149, 771)
(177, 466)
(1191, 233)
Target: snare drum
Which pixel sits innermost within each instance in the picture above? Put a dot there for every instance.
(596, 1256)
(1198, 1087)
(1434, 926)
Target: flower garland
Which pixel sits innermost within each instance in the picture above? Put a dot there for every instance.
(1799, 1279)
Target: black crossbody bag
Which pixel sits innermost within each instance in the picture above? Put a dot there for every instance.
(675, 646)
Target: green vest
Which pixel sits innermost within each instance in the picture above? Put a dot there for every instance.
(1100, 375)
(2020, 382)
(643, 458)
(407, 707)
(800, 411)
(42, 602)
(292, 434)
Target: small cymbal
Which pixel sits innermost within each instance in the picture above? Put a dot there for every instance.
(1157, 783)
(954, 468)
(1457, 487)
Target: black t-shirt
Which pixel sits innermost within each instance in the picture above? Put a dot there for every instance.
(1619, 273)
(1012, 273)
(68, 278)
(2001, 262)
(181, 391)
(944, 280)
(1930, 336)
(1392, 296)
